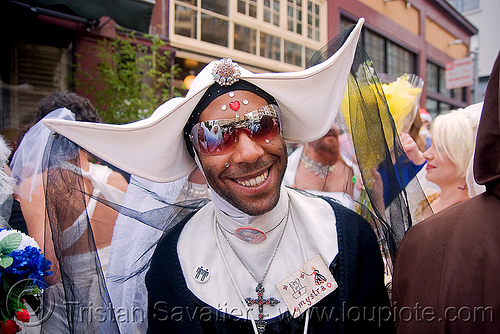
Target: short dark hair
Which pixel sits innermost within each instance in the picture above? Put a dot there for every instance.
(82, 108)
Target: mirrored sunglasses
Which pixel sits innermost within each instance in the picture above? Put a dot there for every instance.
(219, 136)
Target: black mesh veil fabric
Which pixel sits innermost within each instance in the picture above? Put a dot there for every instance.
(97, 292)
(79, 288)
(392, 199)
(78, 222)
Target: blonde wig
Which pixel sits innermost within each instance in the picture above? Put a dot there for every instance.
(453, 135)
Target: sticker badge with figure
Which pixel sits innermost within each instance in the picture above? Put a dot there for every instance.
(307, 286)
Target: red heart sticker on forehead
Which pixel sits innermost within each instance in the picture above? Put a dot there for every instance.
(235, 105)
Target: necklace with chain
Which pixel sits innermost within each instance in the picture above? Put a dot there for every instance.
(260, 301)
(316, 167)
(252, 235)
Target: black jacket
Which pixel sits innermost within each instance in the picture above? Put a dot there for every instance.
(359, 305)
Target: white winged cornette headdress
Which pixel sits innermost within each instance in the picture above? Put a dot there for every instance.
(154, 148)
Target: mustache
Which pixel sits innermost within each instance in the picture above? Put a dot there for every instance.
(245, 168)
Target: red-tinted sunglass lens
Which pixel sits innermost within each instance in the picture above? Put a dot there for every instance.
(268, 128)
(218, 143)
(222, 140)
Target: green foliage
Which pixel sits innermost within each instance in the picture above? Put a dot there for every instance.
(134, 78)
(7, 245)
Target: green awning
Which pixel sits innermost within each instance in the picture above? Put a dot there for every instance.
(132, 14)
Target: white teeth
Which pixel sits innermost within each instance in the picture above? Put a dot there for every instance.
(254, 182)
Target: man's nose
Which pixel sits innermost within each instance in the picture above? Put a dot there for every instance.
(246, 150)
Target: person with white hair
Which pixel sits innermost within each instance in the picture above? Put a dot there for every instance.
(449, 159)
(446, 270)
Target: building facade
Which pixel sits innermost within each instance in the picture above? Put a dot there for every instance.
(401, 36)
(417, 37)
(485, 45)
(47, 43)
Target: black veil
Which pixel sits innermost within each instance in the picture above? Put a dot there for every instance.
(90, 279)
(392, 199)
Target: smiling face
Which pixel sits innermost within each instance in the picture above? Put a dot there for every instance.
(440, 169)
(253, 179)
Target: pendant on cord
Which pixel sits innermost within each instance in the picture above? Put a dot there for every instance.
(250, 234)
(260, 301)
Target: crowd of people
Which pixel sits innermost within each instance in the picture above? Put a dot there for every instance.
(263, 203)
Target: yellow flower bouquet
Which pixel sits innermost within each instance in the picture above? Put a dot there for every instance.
(403, 97)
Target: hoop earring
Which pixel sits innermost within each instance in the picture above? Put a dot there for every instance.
(226, 165)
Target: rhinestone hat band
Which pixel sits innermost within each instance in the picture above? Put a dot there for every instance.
(226, 72)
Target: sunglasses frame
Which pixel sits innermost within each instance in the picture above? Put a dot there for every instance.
(245, 121)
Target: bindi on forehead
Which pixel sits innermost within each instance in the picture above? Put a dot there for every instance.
(231, 105)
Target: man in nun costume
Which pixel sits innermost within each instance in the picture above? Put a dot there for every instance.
(259, 257)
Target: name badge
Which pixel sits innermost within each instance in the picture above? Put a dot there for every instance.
(307, 286)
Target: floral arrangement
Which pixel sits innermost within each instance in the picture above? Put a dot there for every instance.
(403, 97)
(22, 272)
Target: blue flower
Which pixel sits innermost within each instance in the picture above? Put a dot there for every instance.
(29, 263)
(22, 271)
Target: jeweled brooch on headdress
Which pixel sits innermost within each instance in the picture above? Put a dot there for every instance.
(226, 72)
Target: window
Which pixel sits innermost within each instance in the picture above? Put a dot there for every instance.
(459, 94)
(247, 7)
(216, 6)
(442, 83)
(294, 16)
(400, 60)
(272, 12)
(270, 46)
(376, 45)
(245, 39)
(313, 28)
(44, 68)
(309, 54)
(293, 53)
(288, 31)
(214, 29)
(435, 83)
(433, 77)
(435, 107)
(432, 107)
(388, 58)
(345, 23)
(185, 21)
(212, 17)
